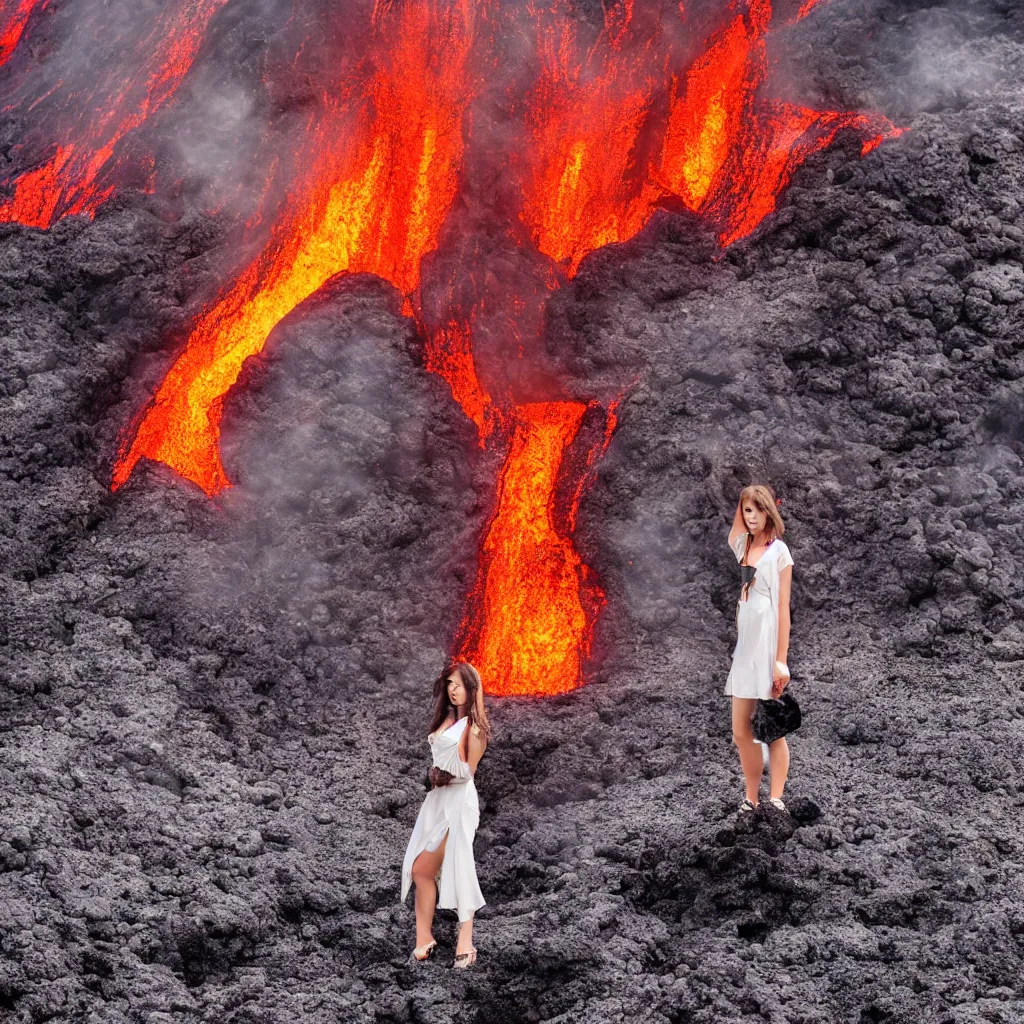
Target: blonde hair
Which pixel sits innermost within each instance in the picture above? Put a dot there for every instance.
(762, 497)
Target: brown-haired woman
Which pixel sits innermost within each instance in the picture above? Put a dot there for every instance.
(439, 857)
(759, 670)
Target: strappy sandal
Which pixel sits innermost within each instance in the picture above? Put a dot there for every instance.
(424, 952)
(776, 802)
(464, 960)
(748, 807)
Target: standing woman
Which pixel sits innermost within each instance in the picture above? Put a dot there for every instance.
(759, 670)
(439, 858)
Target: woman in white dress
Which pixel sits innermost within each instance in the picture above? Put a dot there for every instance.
(759, 670)
(439, 858)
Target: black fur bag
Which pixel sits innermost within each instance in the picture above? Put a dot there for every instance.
(774, 719)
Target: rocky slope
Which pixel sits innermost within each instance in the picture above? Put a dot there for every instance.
(214, 711)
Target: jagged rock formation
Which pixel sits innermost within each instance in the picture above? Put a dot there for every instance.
(214, 711)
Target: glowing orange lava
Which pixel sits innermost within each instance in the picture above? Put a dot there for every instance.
(14, 15)
(374, 202)
(449, 354)
(729, 154)
(722, 149)
(612, 124)
(530, 617)
(806, 7)
(584, 117)
(80, 175)
(710, 111)
(532, 630)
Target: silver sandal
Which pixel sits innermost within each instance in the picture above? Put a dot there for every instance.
(748, 806)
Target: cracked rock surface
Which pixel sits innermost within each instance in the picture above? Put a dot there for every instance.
(214, 711)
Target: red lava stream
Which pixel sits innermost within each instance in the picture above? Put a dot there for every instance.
(614, 121)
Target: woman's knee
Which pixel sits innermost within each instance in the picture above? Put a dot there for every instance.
(742, 733)
(422, 873)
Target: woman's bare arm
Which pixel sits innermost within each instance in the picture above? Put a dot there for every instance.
(474, 748)
(738, 526)
(782, 649)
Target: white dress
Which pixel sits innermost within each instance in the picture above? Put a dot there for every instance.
(757, 624)
(451, 810)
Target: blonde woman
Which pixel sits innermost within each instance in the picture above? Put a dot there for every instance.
(759, 661)
(439, 858)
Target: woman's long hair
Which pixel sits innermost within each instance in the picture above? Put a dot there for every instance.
(443, 707)
(762, 497)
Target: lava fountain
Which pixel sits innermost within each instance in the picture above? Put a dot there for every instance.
(609, 121)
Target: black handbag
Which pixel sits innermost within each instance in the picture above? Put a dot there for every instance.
(774, 719)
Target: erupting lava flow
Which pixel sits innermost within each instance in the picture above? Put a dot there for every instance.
(611, 126)
(81, 172)
(379, 187)
(14, 15)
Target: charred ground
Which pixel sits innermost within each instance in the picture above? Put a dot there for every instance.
(213, 724)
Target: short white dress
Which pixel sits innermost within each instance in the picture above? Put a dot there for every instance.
(451, 810)
(757, 624)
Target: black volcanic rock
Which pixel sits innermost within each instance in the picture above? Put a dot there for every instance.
(357, 513)
(213, 710)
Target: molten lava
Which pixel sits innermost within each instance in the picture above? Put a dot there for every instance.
(449, 354)
(373, 201)
(611, 124)
(806, 7)
(82, 170)
(710, 111)
(584, 117)
(14, 15)
(530, 632)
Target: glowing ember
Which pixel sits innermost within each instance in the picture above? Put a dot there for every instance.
(611, 127)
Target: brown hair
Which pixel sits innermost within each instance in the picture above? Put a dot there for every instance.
(762, 497)
(443, 706)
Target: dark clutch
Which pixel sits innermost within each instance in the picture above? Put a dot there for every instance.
(774, 719)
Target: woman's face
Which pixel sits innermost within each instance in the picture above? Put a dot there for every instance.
(456, 690)
(753, 517)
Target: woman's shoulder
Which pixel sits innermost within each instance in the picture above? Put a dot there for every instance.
(782, 553)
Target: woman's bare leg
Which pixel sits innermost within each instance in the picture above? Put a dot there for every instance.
(778, 759)
(751, 759)
(465, 943)
(424, 870)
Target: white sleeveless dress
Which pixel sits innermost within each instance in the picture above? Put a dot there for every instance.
(451, 810)
(757, 624)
